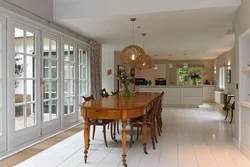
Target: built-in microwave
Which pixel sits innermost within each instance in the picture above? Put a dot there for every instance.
(160, 81)
(139, 81)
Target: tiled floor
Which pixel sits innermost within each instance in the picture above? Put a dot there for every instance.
(197, 137)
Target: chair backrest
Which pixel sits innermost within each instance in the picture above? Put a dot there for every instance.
(160, 104)
(104, 93)
(88, 98)
(115, 93)
(153, 111)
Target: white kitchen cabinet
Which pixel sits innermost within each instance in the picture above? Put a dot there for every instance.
(208, 93)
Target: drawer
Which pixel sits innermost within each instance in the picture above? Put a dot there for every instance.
(191, 92)
(192, 101)
(208, 96)
(208, 90)
(104, 114)
(171, 100)
(171, 91)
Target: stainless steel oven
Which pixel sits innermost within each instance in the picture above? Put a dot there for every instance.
(139, 81)
(160, 81)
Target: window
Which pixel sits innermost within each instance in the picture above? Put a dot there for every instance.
(222, 78)
(183, 72)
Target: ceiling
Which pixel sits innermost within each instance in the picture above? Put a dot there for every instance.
(193, 30)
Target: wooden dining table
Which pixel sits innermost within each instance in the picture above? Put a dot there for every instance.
(121, 108)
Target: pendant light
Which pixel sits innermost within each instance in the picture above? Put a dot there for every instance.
(144, 62)
(130, 53)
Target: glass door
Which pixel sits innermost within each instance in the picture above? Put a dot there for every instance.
(51, 117)
(2, 84)
(82, 77)
(26, 84)
(70, 115)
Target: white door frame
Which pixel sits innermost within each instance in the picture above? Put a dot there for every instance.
(20, 137)
(54, 124)
(3, 136)
(70, 119)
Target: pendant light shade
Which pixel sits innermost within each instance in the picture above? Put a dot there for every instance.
(132, 52)
(144, 61)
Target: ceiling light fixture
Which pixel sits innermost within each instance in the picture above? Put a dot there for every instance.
(130, 53)
(185, 65)
(144, 61)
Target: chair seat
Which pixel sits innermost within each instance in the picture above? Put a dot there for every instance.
(99, 121)
(139, 122)
(230, 106)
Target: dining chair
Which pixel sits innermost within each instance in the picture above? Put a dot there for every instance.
(150, 121)
(98, 122)
(104, 93)
(230, 106)
(117, 121)
(115, 93)
(158, 115)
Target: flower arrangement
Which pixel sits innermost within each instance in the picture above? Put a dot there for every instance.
(194, 74)
(125, 77)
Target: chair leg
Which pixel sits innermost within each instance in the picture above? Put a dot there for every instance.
(131, 135)
(111, 131)
(104, 135)
(158, 127)
(154, 129)
(232, 115)
(226, 114)
(93, 134)
(152, 138)
(137, 132)
(118, 126)
(108, 126)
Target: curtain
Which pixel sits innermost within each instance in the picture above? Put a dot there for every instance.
(95, 68)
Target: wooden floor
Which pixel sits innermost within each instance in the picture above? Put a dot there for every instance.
(197, 137)
(25, 154)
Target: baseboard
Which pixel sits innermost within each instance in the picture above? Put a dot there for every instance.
(180, 105)
(245, 151)
(236, 142)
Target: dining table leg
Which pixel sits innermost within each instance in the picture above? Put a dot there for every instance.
(145, 134)
(86, 139)
(124, 140)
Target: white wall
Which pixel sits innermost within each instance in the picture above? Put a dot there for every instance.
(43, 8)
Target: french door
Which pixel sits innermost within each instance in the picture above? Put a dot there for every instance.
(69, 82)
(51, 117)
(3, 84)
(82, 76)
(26, 85)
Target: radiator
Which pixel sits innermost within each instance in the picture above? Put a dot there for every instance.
(218, 97)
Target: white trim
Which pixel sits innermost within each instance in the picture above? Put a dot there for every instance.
(245, 104)
(236, 142)
(245, 151)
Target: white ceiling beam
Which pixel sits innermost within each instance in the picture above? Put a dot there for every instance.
(75, 9)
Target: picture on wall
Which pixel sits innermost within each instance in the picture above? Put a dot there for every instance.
(119, 84)
(229, 76)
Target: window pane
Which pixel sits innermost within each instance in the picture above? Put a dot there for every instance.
(19, 117)
(46, 51)
(19, 65)
(71, 103)
(66, 71)
(46, 111)
(182, 75)
(71, 86)
(53, 69)
(66, 87)
(30, 90)
(84, 57)
(30, 70)
(54, 49)
(66, 52)
(31, 115)
(66, 105)
(19, 40)
(83, 87)
(54, 109)
(46, 89)
(71, 71)
(54, 89)
(46, 68)
(19, 91)
(72, 59)
(30, 46)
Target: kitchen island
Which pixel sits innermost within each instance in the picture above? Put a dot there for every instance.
(179, 95)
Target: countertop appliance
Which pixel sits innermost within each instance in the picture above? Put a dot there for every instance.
(139, 81)
(160, 81)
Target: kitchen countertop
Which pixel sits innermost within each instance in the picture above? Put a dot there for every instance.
(170, 86)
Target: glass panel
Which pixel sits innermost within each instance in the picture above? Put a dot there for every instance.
(1, 121)
(19, 117)
(30, 70)
(80, 56)
(54, 89)
(46, 89)
(71, 57)
(30, 40)
(30, 90)
(71, 87)
(31, 115)
(66, 50)
(46, 47)
(84, 57)
(19, 65)
(46, 68)
(84, 72)
(54, 109)
(71, 105)
(19, 40)
(72, 72)
(66, 87)
(83, 87)
(53, 69)
(46, 111)
(66, 71)
(66, 105)
(19, 91)
(54, 49)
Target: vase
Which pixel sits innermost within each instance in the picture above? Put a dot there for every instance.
(125, 91)
(194, 82)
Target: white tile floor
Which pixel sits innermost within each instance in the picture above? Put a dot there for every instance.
(197, 137)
